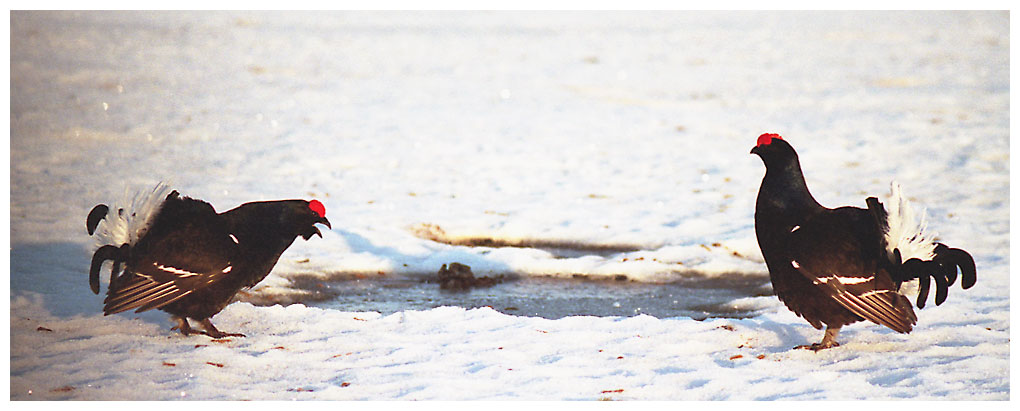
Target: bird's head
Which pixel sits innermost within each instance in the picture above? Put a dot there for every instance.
(304, 215)
(774, 151)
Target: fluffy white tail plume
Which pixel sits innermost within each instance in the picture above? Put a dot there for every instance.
(129, 225)
(907, 233)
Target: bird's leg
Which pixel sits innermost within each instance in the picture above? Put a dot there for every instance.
(828, 341)
(182, 325)
(211, 330)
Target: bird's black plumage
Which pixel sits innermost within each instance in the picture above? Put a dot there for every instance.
(190, 261)
(834, 267)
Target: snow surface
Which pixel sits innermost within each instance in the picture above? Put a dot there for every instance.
(576, 127)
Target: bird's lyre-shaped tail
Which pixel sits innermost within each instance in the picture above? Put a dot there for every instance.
(926, 260)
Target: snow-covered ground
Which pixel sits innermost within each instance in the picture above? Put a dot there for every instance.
(592, 128)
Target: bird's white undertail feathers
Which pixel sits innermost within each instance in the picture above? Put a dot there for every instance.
(907, 232)
(128, 226)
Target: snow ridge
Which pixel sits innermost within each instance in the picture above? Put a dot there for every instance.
(128, 226)
(905, 232)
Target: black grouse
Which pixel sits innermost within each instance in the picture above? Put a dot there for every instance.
(180, 256)
(839, 266)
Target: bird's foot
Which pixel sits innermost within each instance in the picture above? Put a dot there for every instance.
(816, 347)
(182, 326)
(828, 341)
(211, 330)
(220, 334)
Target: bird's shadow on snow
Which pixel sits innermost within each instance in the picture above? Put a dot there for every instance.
(359, 244)
(59, 272)
(787, 335)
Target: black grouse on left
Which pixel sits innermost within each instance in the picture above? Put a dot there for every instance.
(180, 256)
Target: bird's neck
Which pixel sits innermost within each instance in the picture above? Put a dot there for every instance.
(260, 253)
(262, 242)
(784, 197)
(258, 234)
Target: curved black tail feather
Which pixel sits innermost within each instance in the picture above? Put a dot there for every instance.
(97, 214)
(106, 252)
(922, 290)
(944, 268)
(955, 257)
(941, 285)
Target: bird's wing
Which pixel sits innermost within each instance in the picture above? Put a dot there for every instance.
(833, 252)
(155, 284)
(190, 250)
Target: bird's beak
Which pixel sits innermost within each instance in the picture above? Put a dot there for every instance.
(325, 222)
(754, 150)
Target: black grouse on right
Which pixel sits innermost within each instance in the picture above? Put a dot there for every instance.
(843, 265)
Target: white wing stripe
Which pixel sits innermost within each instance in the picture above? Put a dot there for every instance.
(841, 280)
(176, 271)
(854, 280)
(871, 293)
